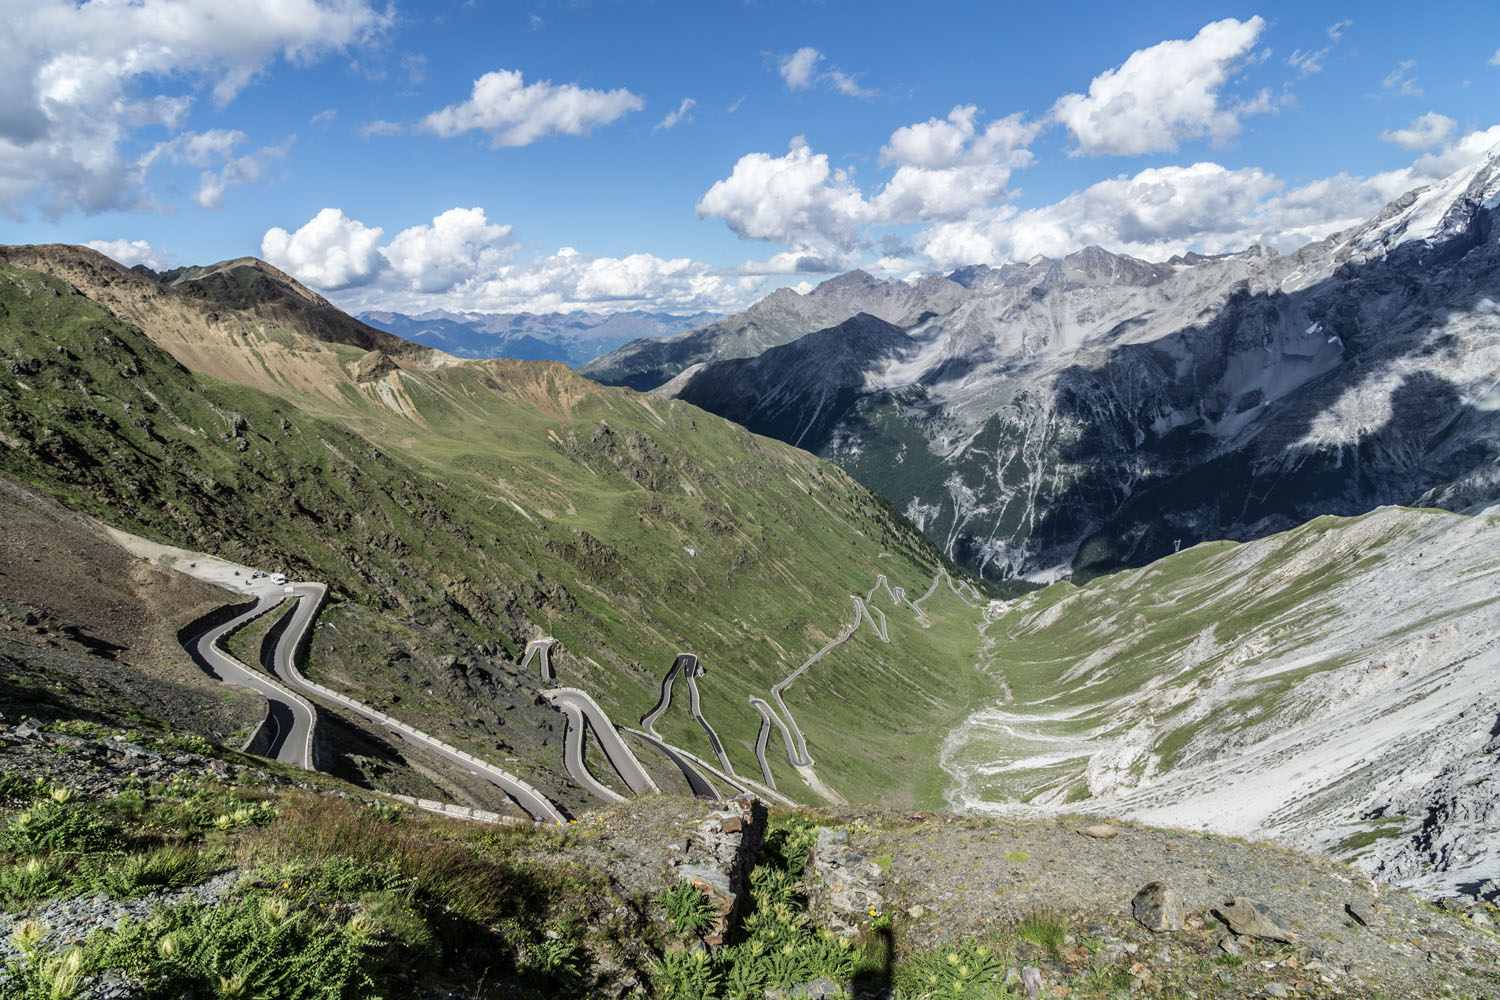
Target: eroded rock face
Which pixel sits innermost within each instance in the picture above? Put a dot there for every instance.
(842, 885)
(717, 859)
(1158, 908)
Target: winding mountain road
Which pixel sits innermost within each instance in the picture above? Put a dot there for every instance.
(798, 755)
(737, 782)
(579, 708)
(791, 735)
(295, 716)
(291, 717)
(543, 648)
(687, 665)
(700, 786)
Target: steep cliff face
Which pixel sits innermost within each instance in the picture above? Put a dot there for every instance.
(1100, 411)
(779, 318)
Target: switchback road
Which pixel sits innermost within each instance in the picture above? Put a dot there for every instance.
(295, 717)
(687, 665)
(540, 647)
(578, 707)
(291, 717)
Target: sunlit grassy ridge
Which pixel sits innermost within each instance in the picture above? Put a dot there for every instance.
(472, 506)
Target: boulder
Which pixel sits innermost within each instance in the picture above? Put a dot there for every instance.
(1158, 908)
(1100, 831)
(1254, 919)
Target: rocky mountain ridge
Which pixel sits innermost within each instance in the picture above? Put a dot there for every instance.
(1099, 411)
(779, 318)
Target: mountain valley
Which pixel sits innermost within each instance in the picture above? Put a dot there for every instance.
(1080, 415)
(572, 338)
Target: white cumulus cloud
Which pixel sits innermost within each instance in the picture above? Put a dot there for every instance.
(132, 252)
(461, 261)
(946, 168)
(1153, 214)
(458, 244)
(79, 81)
(1431, 129)
(800, 68)
(330, 252)
(515, 113)
(1164, 95)
(797, 199)
(1163, 211)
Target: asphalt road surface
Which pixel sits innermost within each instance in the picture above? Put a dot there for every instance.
(579, 707)
(294, 716)
(291, 716)
(540, 647)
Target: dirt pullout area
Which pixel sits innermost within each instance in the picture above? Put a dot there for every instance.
(81, 616)
(943, 877)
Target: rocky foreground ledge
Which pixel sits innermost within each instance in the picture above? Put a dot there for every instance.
(890, 904)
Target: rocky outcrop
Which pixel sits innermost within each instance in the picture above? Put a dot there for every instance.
(843, 885)
(1158, 908)
(373, 367)
(1251, 918)
(717, 858)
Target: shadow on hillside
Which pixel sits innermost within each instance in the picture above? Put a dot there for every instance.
(876, 980)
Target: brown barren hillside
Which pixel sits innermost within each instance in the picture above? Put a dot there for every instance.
(241, 320)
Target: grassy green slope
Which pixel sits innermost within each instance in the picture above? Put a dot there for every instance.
(470, 507)
(1226, 650)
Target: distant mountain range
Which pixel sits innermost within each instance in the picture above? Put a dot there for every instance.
(572, 338)
(1099, 411)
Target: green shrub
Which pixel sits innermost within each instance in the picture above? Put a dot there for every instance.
(788, 841)
(687, 976)
(687, 908)
(247, 947)
(58, 826)
(39, 975)
(554, 959)
(187, 743)
(16, 789)
(171, 867)
(960, 972)
(1046, 930)
(31, 880)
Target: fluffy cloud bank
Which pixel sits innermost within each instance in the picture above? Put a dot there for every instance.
(948, 200)
(951, 179)
(79, 81)
(462, 261)
(515, 113)
(1163, 211)
(1432, 129)
(1165, 94)
(944, 169)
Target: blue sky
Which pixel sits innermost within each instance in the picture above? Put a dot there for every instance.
(608, 155)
